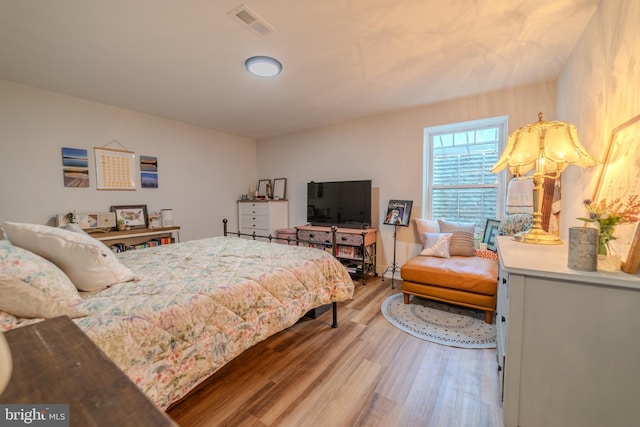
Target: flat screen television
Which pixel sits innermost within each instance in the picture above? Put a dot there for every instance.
(346, 204)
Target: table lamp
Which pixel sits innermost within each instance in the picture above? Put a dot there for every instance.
(546, 148)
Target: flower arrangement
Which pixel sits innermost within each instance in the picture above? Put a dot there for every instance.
(610, 214)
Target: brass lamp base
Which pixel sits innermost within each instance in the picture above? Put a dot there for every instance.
(537, 236)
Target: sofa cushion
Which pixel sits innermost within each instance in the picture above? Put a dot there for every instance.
(426, 226)
(462, 242)
(436, 244)
(473, 274)
(450, 295)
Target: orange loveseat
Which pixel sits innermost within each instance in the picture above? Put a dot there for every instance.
(461, 280)
(449, 269)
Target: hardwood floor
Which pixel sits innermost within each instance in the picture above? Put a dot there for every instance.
(365, 373)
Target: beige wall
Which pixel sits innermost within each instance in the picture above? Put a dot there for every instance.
(599, 89)
(201, 172)
(389, 150)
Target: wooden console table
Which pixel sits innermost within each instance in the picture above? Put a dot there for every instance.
(131, 238)
(355, 248)
(55, 362)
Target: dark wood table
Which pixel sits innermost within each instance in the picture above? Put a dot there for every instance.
(54, 362)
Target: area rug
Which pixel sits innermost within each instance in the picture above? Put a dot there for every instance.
(440, 323)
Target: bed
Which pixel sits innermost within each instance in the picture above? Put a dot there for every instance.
(188, 308)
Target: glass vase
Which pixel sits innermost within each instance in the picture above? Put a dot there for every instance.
(609, 262)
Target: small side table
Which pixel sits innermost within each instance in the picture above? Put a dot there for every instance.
(54, 362)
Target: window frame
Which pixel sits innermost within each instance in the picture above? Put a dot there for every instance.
(501, 122)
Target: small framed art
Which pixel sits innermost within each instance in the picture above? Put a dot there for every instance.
(114, 169)
(135, 216)
(280, 188)
(262, 187)
(619, 180)
(490, 236)
(398, 212)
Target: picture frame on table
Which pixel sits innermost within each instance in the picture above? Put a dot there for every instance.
(135, 216)
(280, 188)
(491, 233)
(262, 187)
(620, 178)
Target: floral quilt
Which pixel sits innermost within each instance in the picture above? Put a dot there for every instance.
(198, 304)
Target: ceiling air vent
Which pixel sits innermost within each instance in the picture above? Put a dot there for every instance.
(250, 20)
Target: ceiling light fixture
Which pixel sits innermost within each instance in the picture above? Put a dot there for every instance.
(263, 66)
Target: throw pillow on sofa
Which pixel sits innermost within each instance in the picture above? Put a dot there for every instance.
(436, 244)
(462, 241)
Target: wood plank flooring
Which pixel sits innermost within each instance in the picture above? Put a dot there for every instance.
(365, 373)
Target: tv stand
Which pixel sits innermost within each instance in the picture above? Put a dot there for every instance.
(355, 247)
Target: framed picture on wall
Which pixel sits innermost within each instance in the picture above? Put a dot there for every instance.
(620, 179)
(115, 169)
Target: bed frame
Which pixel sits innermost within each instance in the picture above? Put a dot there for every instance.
(289, 240)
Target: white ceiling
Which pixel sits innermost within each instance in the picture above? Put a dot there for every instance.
(183, 59)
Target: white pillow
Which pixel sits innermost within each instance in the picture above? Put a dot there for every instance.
(90, 265)
(426, 226)
(436, 244)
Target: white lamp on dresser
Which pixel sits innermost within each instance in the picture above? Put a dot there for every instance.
(537, 151)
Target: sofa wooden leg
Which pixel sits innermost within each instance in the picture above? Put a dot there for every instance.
(488, 317)
(406, 298)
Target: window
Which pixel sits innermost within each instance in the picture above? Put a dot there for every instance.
(458, 183)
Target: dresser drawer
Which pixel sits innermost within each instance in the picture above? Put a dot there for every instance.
(254, 209)
(254, 221)
(315, 236)
(351, 239)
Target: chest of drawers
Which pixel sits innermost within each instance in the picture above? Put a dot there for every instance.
(262, 217)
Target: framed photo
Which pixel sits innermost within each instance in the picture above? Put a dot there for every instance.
(490, 236)
(115, 169)
(135, 216)
(75, 162)
(262, 187)
(620, 177)
(398, 212)
(280, 188)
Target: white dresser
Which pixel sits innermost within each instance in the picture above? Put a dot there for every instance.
(568, 340)
(262, 217)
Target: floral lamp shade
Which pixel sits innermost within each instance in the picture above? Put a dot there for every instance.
(547, 147)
